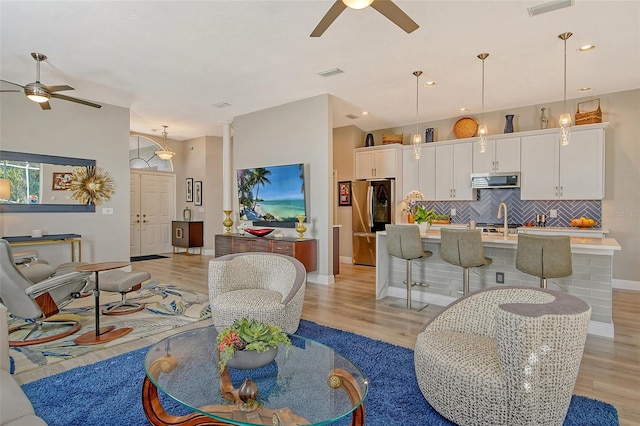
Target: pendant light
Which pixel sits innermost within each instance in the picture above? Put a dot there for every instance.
(165, 153)
(483, 131)
(417, 138)
(565, 118)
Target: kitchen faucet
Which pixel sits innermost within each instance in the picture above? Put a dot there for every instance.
(505, 230)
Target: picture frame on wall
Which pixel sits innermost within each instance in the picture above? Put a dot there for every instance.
(61, 181)
(344, 193)
(189, 190)
(197, 193)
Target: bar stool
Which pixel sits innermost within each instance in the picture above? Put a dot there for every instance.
(405, 242)
(463, 247)
(544, 256)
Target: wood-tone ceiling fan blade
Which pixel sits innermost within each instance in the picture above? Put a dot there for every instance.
(76, 100)
(395, 15)
(11, 82)
(328, 18)
(52, 89)
(45, 105)
(2, 91)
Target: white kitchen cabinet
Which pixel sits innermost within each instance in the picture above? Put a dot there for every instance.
(419, 174)
(453, 166)
(501, 156)
(550, 171)
(377, 163)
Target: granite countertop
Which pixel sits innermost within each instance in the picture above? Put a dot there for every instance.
(571, 229)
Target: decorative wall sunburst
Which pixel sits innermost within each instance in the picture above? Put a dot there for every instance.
(91, 185)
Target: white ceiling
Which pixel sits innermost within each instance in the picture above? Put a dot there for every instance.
(171, 61)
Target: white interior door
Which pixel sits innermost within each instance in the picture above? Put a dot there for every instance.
(134, 215)
(156, 210)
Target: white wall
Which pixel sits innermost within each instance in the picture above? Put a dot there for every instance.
(298, 132)
(72, 130)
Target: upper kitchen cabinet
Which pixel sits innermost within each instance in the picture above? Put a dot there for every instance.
(420, 174)
(502, 155)
(550, 171)
(384, 162)
(453, 165)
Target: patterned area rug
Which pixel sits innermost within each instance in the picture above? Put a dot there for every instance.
(166, 307)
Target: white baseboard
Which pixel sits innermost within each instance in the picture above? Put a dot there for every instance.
(625, 284)
(316, 278)
(596, 328)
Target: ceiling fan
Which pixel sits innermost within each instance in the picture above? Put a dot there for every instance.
(38, 92)
(386, 7)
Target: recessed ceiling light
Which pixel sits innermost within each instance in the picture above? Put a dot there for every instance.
(549, 7)
(430, 83)
(154, 130)
(584, 89)
(586, 48)
(365, 113)
(462, 109)
(351, 116)
(221, 105)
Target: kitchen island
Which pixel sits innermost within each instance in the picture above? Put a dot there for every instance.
(591, 279)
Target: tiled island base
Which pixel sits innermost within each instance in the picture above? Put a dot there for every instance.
(591, 279)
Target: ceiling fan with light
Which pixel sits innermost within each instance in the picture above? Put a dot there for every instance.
(38, 92)
(386, 7)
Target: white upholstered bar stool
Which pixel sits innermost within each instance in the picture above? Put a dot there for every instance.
(544, 256)
(463, 247)
(405, 242)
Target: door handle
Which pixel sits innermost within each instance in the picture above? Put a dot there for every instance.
(144, 221)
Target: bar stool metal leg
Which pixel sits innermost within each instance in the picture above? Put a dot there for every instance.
(413, 306)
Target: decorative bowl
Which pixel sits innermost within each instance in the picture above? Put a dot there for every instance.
(261, 232)
(247, 360)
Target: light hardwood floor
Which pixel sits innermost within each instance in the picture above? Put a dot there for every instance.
(610, 369)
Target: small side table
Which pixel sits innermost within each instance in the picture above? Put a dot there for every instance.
(104, 334)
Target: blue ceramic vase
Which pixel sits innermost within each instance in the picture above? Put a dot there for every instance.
(508, 125)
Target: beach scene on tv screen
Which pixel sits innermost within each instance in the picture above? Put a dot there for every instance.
(272, 194)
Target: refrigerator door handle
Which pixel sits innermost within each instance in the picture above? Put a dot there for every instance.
(370, 205)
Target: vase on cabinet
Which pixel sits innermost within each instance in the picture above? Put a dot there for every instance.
(428, 137)
(300, 228)
(186, 214)
(369, 140)
(227, 222)
(508, 125)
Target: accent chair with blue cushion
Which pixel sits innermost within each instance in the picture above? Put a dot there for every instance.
(503, 356)
(265, 287)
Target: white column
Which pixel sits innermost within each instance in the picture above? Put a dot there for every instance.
(226, 165)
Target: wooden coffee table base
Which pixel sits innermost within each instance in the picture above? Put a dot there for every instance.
(159, 417)
(107, 334)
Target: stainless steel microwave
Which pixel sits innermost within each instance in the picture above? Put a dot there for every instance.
(495, 180)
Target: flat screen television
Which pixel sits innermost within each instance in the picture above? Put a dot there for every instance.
(273, 195)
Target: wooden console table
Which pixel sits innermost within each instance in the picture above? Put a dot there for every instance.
(305, 250)
(72, 239)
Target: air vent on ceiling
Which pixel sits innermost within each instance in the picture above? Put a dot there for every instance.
(351, 116)
(221, 105)
(332, 71)
(549, 7)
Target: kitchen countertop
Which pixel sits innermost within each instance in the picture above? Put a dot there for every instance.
(571, 229)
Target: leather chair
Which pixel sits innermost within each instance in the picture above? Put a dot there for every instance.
(544, 256)
(265, 287)
(463, 247)
(405, 242)
(503, 356)
(34, 302)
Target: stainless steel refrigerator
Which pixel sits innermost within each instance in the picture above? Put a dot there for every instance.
(373, 204)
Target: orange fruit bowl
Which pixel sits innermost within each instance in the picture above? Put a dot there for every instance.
(583, 222)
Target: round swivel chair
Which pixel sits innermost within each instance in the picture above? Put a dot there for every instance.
(544, 256)
(405, 242)
(463, 247)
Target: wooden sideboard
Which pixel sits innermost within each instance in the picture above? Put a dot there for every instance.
(306, 250)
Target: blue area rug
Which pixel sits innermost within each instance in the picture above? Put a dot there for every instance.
(109, 392)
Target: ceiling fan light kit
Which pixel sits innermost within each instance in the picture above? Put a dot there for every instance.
(357, 4)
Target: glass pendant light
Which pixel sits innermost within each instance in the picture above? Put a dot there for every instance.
(483, 131)
(165, 153)
(565, 118)
(417, 138)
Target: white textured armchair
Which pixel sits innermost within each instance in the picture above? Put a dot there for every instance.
(503, 356)
(261, 286)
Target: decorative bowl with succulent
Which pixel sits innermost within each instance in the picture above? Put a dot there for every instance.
(247, 335)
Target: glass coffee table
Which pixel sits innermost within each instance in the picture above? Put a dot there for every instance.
(308, 384)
